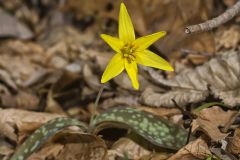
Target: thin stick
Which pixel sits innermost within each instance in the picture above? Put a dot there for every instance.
(96, 104)
(215, 22)
(179, 107)
(189, 134)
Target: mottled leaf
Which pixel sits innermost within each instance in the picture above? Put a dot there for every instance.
(41, 135)
(220, 74)
(156, 130)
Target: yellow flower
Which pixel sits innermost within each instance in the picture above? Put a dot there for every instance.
(131, 51)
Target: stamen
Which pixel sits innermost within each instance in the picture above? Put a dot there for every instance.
(128, 52)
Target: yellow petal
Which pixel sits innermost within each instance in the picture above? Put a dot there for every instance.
(148, 58)
(115, 43)
(144, 42)
(132, 71)
(114, 68)
(125, 28)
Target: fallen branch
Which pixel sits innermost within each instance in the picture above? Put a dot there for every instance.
(215, 22)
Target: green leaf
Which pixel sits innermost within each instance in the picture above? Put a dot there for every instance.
(41, 135)
(210, 104)
(156, 130)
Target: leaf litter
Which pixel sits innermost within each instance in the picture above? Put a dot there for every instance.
(219, 76)
(55, 71)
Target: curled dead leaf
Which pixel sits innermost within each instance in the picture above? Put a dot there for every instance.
(195, 149)
(211, 119)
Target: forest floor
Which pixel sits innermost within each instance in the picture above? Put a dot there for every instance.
(52, 58)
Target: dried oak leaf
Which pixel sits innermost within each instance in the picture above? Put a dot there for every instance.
(25, 121)
(195, 149)
(233, 145)
(210, 119)
(191, 86)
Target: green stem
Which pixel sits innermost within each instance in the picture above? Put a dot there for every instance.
(96, 105)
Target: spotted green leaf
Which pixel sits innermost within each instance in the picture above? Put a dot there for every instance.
(41, 135)
(154, 129)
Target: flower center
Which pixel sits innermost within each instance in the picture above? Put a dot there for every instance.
(128, 53)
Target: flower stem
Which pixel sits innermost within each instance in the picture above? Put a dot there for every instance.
(96, 105)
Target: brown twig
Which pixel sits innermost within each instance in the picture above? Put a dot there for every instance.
(215, 22)
(187, 122)
(189, 134)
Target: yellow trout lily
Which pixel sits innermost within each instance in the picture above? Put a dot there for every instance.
(131, 51)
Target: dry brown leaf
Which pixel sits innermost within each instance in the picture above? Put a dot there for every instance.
(211, 119)
(74, 145)
(181, 96)
(233, 145)
(25, 121)
(64, 44)
(5, 149)
(52, 105)
(78, 151)
(126, 146)
(13, 97)
(191, 86)
(91, 79)
(48, 152)
(107, 9)
(173, 16)
(197, 149)
(221, 154)
(58, 86)
(120, 100)
(163, 112)
(21, 59)
(227, 37)
(6, 78)
(11, 27)
(156, 156)
(23, 100)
